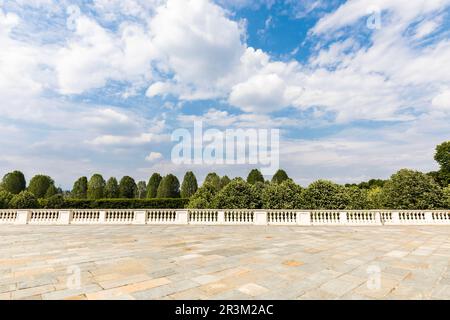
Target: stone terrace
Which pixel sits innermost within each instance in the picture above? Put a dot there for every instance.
(225, 262)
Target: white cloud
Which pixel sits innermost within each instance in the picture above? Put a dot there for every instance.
(160, 89)
(426, 28)
(350, 11)
(121, 140)
(153, 156)
(197, 41)
(94, 55)
(260, 93)
(442, 101)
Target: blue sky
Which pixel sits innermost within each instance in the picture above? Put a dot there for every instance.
(359, 89)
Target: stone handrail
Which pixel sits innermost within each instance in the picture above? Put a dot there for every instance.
(226, 217)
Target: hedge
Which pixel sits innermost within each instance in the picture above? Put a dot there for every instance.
(178, 203)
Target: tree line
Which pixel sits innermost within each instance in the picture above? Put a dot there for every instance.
(406, 189)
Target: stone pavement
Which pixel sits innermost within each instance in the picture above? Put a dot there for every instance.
(224, 262)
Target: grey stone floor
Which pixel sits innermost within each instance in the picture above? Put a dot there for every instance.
(224, 262)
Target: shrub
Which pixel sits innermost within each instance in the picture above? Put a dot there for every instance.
(96, 187)
(5, 199)
(178, 203)
(56, 201)
(189, 185)
(127, 187)
(238, 194)
(323, 194)
(284, 195)
(112, 189)
(39, 185)
(153, 184)
(255, 176)
(79, 190)
(447, 197)
(203, 198)
(280, 176)
(24, 200)
(14, 182)
(169, 187)
(257, 191)
(409, 189)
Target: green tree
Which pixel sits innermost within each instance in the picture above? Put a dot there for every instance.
(127, 188)
(39, 185)
(238, 194)
(96, 187)
(357, 198)
(257, 192)
(203, 198)
(372, 183)
(141, 192)
(375, 198)
(14, 182)
(5, 199)
(446, 201)
(323, 194)
(112, 189)
(79, 190)
(223, 182)
(409, 189)
(442, 155)
(24, 200)
(279, 176)
(213, 179)
(153, 184)
(255, 176)
(284, 195)
(169, 187)
(189, 185)
(51, 191)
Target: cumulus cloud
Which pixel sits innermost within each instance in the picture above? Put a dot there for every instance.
(265, 92)
(153, 156)
(197, 41)
(94, 55)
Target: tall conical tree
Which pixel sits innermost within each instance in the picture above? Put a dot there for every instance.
(79, 190)
(141, 191)
(14, 182)
(153, 184)
(213, 179)
(96, 187)
(189, 185)
(255, 176)
(280, 176)
(127, 187)
(111, 189)
(169, 187)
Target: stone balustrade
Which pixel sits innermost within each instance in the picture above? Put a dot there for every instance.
(227, 217)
